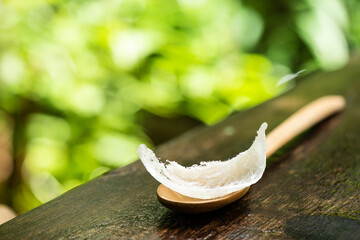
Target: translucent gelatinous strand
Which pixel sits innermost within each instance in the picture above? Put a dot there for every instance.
(210, 179)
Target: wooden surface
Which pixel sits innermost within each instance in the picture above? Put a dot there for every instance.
(310, 189)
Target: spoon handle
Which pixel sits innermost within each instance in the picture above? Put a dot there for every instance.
(303, 119)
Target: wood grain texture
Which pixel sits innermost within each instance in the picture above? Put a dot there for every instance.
(310, 189)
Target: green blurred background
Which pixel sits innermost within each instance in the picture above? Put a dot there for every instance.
(83, 83)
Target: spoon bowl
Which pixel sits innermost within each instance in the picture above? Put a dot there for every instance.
(181, 203)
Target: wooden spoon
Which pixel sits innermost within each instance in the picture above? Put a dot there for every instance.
(301, 120)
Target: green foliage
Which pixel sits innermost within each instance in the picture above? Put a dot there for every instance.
(75, 74)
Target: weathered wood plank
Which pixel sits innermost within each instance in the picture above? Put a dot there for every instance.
(310, 188)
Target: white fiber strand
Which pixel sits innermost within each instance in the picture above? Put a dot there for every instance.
(210, 179)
